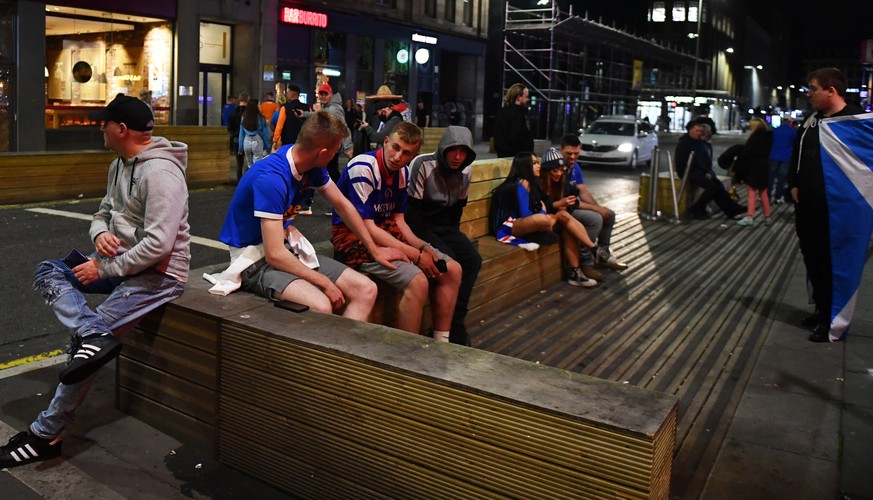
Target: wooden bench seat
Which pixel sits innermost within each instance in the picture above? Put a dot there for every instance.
(322, 406)
(319, 405)
(34, 177)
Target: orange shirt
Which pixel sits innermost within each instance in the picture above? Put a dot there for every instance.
(268, 108)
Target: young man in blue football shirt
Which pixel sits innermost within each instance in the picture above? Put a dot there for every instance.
(261, 213)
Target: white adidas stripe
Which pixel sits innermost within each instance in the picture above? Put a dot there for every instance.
(24, 453)
(86, 351)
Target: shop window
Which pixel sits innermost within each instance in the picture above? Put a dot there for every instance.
(468, 13)
(397, 66)
(450, 11)
(7, 32)
(430, 8)
(5, 107)
(91, 59)
(365, 68)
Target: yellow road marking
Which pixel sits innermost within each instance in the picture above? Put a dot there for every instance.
(31, 359)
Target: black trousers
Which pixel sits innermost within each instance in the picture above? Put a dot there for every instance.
(713, 190)
(456, 245)
(813, 233)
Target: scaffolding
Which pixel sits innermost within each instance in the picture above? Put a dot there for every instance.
(577, 69)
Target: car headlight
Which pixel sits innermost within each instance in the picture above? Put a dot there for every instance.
(626, 147)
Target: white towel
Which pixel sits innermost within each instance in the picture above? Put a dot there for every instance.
(303, 249)
(230, 280)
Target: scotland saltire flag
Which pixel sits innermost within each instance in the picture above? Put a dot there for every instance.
(847, 161)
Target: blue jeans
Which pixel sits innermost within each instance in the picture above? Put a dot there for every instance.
(599, 230)
(777, 171)
(129, 299)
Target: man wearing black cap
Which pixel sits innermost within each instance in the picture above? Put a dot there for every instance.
(388, 118)
(141, 243)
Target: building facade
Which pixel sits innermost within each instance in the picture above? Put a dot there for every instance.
(59, 59)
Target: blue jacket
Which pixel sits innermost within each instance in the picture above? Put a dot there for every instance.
(263, 131)
(783, 142)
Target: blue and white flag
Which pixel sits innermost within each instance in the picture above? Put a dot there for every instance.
(847, 161)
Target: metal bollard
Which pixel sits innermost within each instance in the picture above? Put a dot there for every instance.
(675, 219)
(685, 175)
(651, 202)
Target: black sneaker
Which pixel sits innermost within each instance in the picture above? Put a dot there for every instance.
(87, 355)
(25, 448)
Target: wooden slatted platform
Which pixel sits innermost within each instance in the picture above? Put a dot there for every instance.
(685, 319)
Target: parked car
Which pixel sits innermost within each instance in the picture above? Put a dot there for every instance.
(620, 140)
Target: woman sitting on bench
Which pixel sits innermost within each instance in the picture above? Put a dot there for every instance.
(520, 210)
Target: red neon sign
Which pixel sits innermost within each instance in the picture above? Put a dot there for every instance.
(304, 17)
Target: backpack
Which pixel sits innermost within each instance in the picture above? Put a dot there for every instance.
(404, 111)
(728, 160)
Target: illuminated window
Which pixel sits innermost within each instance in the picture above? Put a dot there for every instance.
(659, 13)
(692, 13)
(678, 12)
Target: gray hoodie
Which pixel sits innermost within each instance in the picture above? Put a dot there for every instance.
(146, 208)
(335, 106)
(437, 194)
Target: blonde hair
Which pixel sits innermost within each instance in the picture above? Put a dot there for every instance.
(321, 130)
(512, 94)
(756, 124)
(407, 132)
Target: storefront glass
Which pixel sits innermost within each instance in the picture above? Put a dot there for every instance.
(7, 51)
(397, 63)
(365, 68)
(92, 56)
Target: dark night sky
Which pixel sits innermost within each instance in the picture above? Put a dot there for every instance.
(816, 28)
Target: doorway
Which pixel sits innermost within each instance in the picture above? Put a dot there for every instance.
(214, 88)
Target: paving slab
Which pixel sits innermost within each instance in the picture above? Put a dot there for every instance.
(752, 471)
(787, 421)
(856, 465)
(814, 372)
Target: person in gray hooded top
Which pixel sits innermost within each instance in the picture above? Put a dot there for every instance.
(437, 194)
(141, 241)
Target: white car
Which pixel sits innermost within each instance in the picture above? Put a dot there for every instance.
(618, 140)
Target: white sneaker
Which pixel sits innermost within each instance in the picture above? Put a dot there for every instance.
(305, 211)
(746, 221)
(578, 279)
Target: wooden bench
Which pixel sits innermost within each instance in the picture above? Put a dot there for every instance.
(322, 406)
(47, 176)
(506, 269)
(431, 139)
(319, 405)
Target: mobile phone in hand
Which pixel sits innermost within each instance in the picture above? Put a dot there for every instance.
(75, 258)
(441, 266)
(291, 306)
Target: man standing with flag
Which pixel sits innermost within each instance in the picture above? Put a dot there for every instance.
(806, 180)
